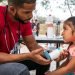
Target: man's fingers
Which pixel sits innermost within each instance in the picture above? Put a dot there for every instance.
(44, 61)
(37, 51)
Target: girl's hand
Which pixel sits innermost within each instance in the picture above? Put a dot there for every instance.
(48, 73)
(62, 56)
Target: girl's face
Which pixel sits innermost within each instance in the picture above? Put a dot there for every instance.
(68, 34)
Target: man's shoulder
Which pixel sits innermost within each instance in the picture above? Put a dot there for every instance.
(2, 10)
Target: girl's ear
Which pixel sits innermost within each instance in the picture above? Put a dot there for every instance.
(12, 10)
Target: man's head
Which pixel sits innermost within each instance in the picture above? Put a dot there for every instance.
(21, 10)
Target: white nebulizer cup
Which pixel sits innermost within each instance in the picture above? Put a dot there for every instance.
(54, 54)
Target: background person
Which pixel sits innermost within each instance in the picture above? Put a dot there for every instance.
(35, 27)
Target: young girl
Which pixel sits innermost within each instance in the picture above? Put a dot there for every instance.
(68, 67)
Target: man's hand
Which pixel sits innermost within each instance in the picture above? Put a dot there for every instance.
(36, 56)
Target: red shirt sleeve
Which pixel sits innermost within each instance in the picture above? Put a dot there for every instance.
(2, 20)
(26, 29)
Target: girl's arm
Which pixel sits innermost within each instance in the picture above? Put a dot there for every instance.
(70, 67)
(64, 63)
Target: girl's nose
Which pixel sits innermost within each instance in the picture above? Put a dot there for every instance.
(61, 32)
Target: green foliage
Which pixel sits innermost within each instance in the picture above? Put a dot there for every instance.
(70, 2)
(67, 5)
(45, 3)
(1, 0)
(41, 19)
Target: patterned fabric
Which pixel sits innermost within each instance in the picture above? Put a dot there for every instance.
(72, 53)
(72, 50)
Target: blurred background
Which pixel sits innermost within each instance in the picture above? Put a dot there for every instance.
(47, 22)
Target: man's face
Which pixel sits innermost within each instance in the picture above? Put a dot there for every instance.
(24, 14)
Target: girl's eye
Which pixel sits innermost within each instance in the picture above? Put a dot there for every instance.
(27, 12)
(64, 28)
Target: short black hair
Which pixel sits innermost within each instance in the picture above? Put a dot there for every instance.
(20, 2)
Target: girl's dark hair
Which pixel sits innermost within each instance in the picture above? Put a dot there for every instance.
(72, 20)
(20, 2)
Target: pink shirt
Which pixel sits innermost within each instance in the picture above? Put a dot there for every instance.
(13, 28)
(72, 50)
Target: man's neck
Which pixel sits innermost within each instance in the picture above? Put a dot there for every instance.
(11, 16)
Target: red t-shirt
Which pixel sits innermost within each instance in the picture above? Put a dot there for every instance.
(10, 34)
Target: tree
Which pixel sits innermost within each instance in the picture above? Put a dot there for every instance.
(45, 3)
(1, 0)
(67, 5)
(71, 5)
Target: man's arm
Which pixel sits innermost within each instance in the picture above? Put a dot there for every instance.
(31, 43)
(32, 46)
(4, 57)
(34, 55)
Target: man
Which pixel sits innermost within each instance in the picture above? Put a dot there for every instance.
(14, 21)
